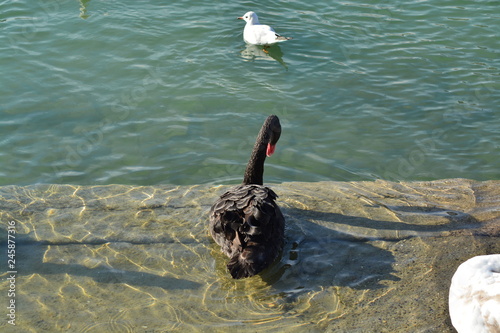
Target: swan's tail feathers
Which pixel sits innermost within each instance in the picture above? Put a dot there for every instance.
(248, 262)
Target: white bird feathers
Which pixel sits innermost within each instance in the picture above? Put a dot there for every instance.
(259, 34)
(474, 299)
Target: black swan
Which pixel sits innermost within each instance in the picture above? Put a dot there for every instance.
(246, 221)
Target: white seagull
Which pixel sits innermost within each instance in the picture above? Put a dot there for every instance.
(259, 34)
(475, 295)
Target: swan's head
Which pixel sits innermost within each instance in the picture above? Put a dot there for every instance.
(274, 128)
(250, 17)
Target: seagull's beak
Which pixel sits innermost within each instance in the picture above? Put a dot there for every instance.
(240, 18)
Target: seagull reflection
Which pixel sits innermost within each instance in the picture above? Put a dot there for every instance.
(83, 9)
(256, 52)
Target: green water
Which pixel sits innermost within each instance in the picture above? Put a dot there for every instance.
(167, 93)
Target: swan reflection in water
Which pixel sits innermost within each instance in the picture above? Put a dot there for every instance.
(256, 52)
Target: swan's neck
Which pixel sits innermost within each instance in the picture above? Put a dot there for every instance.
(254, 172)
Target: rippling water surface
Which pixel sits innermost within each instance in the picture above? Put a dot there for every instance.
(138, 93)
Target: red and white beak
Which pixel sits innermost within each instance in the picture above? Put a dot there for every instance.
(270, 149)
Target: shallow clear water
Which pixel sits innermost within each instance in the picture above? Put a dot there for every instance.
(358, 257)
(138, 93)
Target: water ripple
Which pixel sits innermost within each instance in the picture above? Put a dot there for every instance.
(154, 87)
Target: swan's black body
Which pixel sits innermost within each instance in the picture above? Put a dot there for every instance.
(246, 221)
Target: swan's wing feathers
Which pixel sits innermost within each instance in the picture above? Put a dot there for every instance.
(234, 194)
(228, 209)
(249, 226)
(244, 208)
(244, 202)
(259, 212)
(220, 206)
(271, 194)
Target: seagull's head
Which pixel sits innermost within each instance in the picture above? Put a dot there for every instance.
(250, 17)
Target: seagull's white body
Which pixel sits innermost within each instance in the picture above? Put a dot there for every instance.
(475, 295)
(259, 34)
